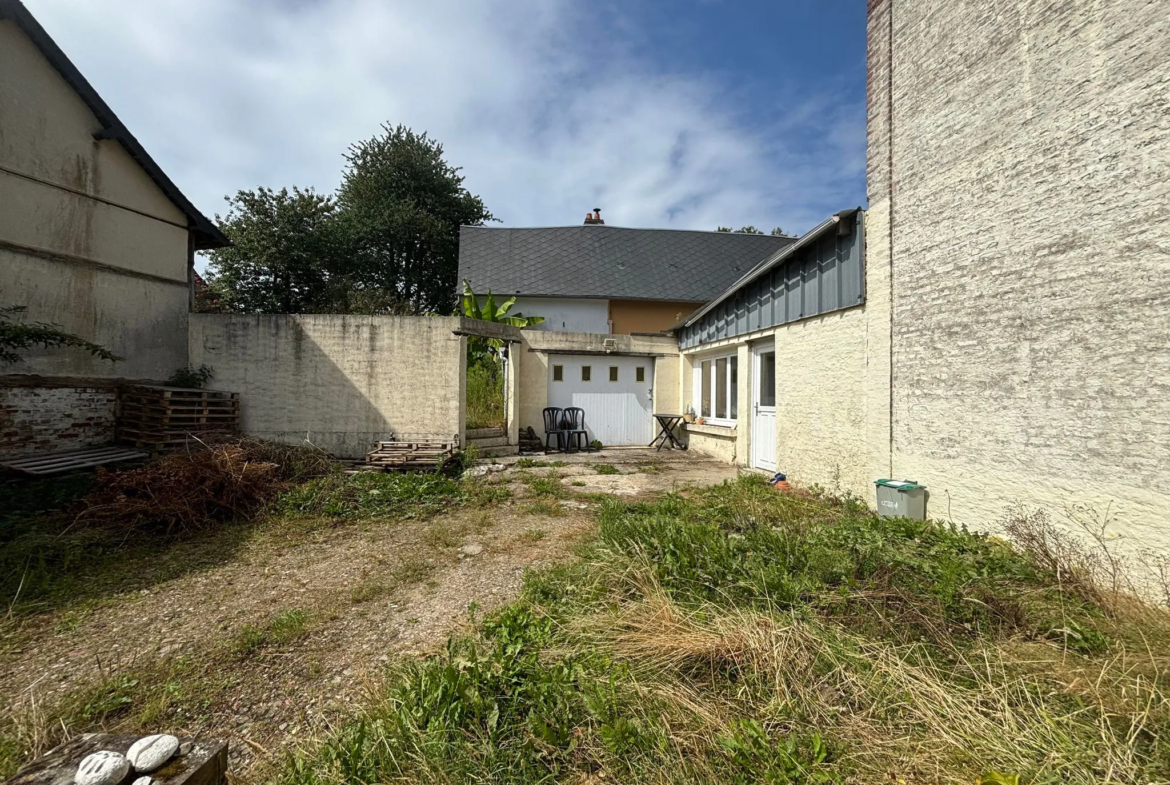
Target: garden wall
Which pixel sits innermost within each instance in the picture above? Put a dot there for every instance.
(339, 382)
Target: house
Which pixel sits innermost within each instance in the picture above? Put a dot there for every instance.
(1007, 340)
(595, 278)
(94, 237)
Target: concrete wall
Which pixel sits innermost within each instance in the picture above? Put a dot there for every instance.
(87, 240)
(647, 316)
(1020, 227)
(48, 419)
(339, 382)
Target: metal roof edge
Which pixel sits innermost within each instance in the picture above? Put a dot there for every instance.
(207, 234)
(768, 264)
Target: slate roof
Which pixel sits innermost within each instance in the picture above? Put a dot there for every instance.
(609, 261)
(205, 234)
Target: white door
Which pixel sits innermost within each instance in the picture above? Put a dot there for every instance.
(764, 407)
(615, 392)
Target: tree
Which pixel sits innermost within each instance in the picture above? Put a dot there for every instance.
(287, 251)
(17, 338)
(749, 230)
(404, 205)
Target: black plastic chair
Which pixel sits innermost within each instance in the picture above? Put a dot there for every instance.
(554, 425)
(575, 427)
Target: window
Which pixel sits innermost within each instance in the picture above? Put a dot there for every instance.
(717, 388)
(768, 379)
(613, 373)
(586, 373)
(639, 374)
(558, 373)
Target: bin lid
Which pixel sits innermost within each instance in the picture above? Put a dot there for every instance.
(901, 485)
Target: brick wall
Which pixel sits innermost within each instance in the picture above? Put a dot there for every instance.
(35, 419)
(1020, 226)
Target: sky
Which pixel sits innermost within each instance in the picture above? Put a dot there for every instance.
(685, 114)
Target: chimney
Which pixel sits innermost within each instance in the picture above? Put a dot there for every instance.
(594, 218)
(588, 218)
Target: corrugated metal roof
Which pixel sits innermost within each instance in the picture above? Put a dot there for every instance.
(610, 261)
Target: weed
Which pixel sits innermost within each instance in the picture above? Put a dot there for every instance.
(372, 494)
(368, 591)
(577, 484)
(537, 463)
(605, 468)
(533, 535)
(282, 629)
(549, 509)
(547, 487)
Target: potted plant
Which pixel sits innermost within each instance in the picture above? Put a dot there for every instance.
(689, 414)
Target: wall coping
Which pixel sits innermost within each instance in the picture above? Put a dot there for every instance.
(726, 431)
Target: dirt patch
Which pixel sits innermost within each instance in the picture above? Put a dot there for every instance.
(359, 594)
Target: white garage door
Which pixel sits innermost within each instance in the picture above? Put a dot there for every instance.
(615, 393)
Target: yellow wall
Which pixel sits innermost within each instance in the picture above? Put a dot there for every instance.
(89, 241)
(647, 316)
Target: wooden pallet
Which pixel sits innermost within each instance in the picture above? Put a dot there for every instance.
(410, 454)
(48, 463)
(164, 418)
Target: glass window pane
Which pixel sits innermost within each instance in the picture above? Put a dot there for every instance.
(721, 387)
(768, 379)
(613, 373)
(733, 366)
(586, 373)
(705, 385)
(640, 374)
(558, 373)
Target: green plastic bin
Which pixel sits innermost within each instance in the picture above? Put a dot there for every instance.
(901, 499)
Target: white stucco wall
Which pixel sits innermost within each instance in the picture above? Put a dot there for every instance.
(566, 315)
(339, 382)
(87, 240)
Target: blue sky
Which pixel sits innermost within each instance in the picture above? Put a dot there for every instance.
(687, 114)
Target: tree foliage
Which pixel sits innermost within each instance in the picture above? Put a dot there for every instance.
(405, 205)
(388, 242)
(17, 337)
(749, 230)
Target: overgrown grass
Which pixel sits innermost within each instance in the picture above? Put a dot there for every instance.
(372, 494)
(605, 468)
(485, 395)
(740, 635)
(281, 629)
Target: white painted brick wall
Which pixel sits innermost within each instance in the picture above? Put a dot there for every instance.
(1031, 254)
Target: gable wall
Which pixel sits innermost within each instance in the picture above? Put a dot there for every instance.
(87, 240)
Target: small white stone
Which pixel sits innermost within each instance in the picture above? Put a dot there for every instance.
(184, 748)
(150, 752)
(471, 549)
(103, 767)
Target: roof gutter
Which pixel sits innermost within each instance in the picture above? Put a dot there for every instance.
(766, 265)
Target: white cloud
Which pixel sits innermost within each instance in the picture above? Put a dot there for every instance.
(548, 116)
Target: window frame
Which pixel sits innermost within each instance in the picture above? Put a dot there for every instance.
(640, 374)
(586, 373)
(558, 373)
(730, 391)
(613, 373)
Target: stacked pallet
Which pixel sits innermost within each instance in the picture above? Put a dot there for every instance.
(164, 418)
(411, 453)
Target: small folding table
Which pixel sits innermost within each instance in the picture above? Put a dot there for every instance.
(666, 425)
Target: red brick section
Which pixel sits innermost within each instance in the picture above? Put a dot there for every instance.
(40, 419)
